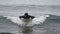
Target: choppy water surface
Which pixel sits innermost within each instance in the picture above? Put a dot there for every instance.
(50, 25)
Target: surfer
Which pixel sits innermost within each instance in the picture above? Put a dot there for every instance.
(26, 16)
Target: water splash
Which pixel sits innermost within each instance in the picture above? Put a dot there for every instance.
(37, 20)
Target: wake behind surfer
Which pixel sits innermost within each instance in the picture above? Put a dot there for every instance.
(26, 17)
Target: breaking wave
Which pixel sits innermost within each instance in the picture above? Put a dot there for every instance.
(37, 20)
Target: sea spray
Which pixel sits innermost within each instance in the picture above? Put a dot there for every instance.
(37, 20)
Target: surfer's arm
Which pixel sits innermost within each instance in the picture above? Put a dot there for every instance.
(32, 17)
(21, 17)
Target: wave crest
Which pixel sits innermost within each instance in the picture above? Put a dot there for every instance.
(37, 20)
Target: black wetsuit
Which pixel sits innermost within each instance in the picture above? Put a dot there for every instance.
(26, 16)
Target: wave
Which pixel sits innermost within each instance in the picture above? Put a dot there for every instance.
(38, 20)
(54, 16)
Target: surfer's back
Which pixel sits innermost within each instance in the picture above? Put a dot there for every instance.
(26, 16)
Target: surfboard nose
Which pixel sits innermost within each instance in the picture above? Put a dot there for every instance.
(27, 21)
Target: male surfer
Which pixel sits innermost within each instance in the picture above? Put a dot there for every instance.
(26, 17)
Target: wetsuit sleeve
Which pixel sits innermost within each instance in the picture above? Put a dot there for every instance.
(32, 17)
(21, 17)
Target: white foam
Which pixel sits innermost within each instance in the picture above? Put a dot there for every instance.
(15, 20)
(40, 19)
(37, 20)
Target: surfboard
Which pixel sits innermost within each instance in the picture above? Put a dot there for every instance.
(27, 21)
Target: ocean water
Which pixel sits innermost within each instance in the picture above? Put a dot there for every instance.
(44, 23)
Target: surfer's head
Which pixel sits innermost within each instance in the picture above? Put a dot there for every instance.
(26, 14)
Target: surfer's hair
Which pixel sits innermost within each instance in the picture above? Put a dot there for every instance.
(26, 14)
